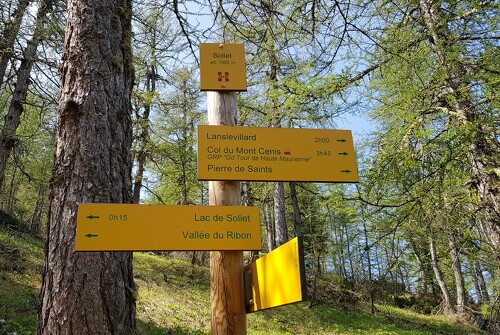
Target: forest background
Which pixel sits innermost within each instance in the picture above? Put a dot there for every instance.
(422, 228)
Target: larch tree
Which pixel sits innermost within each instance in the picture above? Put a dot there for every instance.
(466, 93)
(90, 293)
(437, 144)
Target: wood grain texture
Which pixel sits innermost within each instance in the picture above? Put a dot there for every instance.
(226, 267)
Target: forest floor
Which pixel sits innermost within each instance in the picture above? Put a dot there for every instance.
(173, 297)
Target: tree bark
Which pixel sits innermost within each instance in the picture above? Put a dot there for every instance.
(91, 292)
(280, 228)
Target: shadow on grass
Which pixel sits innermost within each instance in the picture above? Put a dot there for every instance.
(149, 328)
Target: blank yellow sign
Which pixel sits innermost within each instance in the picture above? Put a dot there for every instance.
(126, 227)
(276, 154)
(222, 67)
(278, 278)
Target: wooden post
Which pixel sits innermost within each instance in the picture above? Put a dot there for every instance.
(226, 267)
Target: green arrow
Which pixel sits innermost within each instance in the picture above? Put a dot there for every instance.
(341, 140)
(91, 235)
(92, 217)
(343, 153)
(345, 171)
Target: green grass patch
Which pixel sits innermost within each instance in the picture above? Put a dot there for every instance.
(322, 320)
(173, 298)
(435, 324)
(21, 256)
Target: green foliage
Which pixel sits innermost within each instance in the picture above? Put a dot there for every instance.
(431, 102)
(174, 137)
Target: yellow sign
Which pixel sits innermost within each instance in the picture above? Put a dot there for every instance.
(124, 227)
(278, 278)
(276, 154)
(222, 67)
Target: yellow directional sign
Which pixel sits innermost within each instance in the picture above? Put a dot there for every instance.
(124, 227)
(277, 278)
(276, 154)
(222, 67)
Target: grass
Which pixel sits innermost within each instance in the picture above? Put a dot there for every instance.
(21, 256)
(173, 296)
(174, 299)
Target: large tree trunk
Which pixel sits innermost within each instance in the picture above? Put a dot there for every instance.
(91, 292)
(13, 116)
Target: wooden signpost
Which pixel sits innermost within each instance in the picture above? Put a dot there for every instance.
(226, 267)
(226, 155)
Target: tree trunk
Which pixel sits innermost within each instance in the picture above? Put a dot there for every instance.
(9, 34)
(35, 224)
(280, 229)
(296, 210)
(91, 292)
(482, 290)
(369, 263)
(269, 227)
(425, 271)
(457, 272)
(13, 116)
(143, 125)
(448, 305)
(347, 244)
